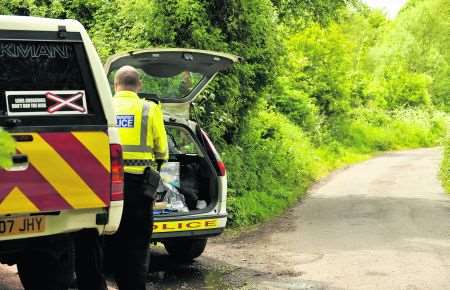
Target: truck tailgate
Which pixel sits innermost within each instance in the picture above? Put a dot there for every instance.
(66, 170)
(50, 103)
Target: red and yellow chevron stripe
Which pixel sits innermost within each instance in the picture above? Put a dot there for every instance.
(67, 170)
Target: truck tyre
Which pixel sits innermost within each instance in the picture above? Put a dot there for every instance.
(47, 264)
(185, 250)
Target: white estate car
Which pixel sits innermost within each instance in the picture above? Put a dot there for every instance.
(175, 77)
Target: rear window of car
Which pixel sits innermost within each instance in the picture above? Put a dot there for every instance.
(47, 83)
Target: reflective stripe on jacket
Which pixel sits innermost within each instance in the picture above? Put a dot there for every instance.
(141, 129)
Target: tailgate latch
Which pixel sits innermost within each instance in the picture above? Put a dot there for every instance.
(20, 163)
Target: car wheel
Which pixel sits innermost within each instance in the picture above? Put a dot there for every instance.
(185, 250)
(47, 265)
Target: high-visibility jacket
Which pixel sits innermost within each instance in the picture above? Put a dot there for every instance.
(141, 129)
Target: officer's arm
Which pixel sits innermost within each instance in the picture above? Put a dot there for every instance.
(160, 147)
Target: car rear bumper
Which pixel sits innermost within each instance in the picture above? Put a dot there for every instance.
(73, 220)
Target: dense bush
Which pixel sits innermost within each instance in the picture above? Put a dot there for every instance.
(368, 130)
(282, 167)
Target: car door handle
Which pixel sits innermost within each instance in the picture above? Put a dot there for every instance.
(20, 159)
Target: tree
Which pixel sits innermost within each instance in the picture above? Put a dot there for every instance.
(322, 11)
(246, 28)
(419, 43)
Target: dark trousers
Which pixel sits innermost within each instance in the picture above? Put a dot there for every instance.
(89, 260)
(130, 245)
(126, 251)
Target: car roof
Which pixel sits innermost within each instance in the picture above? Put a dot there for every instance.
(38, 23)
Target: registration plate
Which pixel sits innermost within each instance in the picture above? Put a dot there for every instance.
(22, 225)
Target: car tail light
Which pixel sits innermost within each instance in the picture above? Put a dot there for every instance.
(116, 172)
(214, 155)
(221, 168)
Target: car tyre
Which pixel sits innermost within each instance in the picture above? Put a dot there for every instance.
(185, 250)
(47, 265)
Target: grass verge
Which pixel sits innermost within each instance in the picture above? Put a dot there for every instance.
(445, 167)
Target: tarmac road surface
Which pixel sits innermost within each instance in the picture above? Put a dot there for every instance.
(380, 224)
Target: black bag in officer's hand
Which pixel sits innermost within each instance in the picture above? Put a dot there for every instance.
(151, 182)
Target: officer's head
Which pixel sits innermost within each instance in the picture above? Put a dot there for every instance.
(127, 79)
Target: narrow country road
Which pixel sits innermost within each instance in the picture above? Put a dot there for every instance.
(382, 224)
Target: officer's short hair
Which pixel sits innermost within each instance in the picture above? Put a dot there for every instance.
(127, 77)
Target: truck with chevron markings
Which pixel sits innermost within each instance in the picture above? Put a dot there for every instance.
(67, 173)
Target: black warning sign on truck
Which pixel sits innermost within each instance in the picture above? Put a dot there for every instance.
(35, 103)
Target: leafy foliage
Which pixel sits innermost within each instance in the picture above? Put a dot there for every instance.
(268, 138)
(322, 11)
(419, 44)
(244, 27)
(319, 65)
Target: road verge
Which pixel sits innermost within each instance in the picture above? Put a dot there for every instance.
(445, 167)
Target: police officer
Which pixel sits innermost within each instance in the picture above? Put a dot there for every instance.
(144, 141)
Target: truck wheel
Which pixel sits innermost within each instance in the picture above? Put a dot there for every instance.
(185, 250)
(47, 264)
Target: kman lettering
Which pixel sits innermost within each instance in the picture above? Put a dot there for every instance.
(27, 50)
